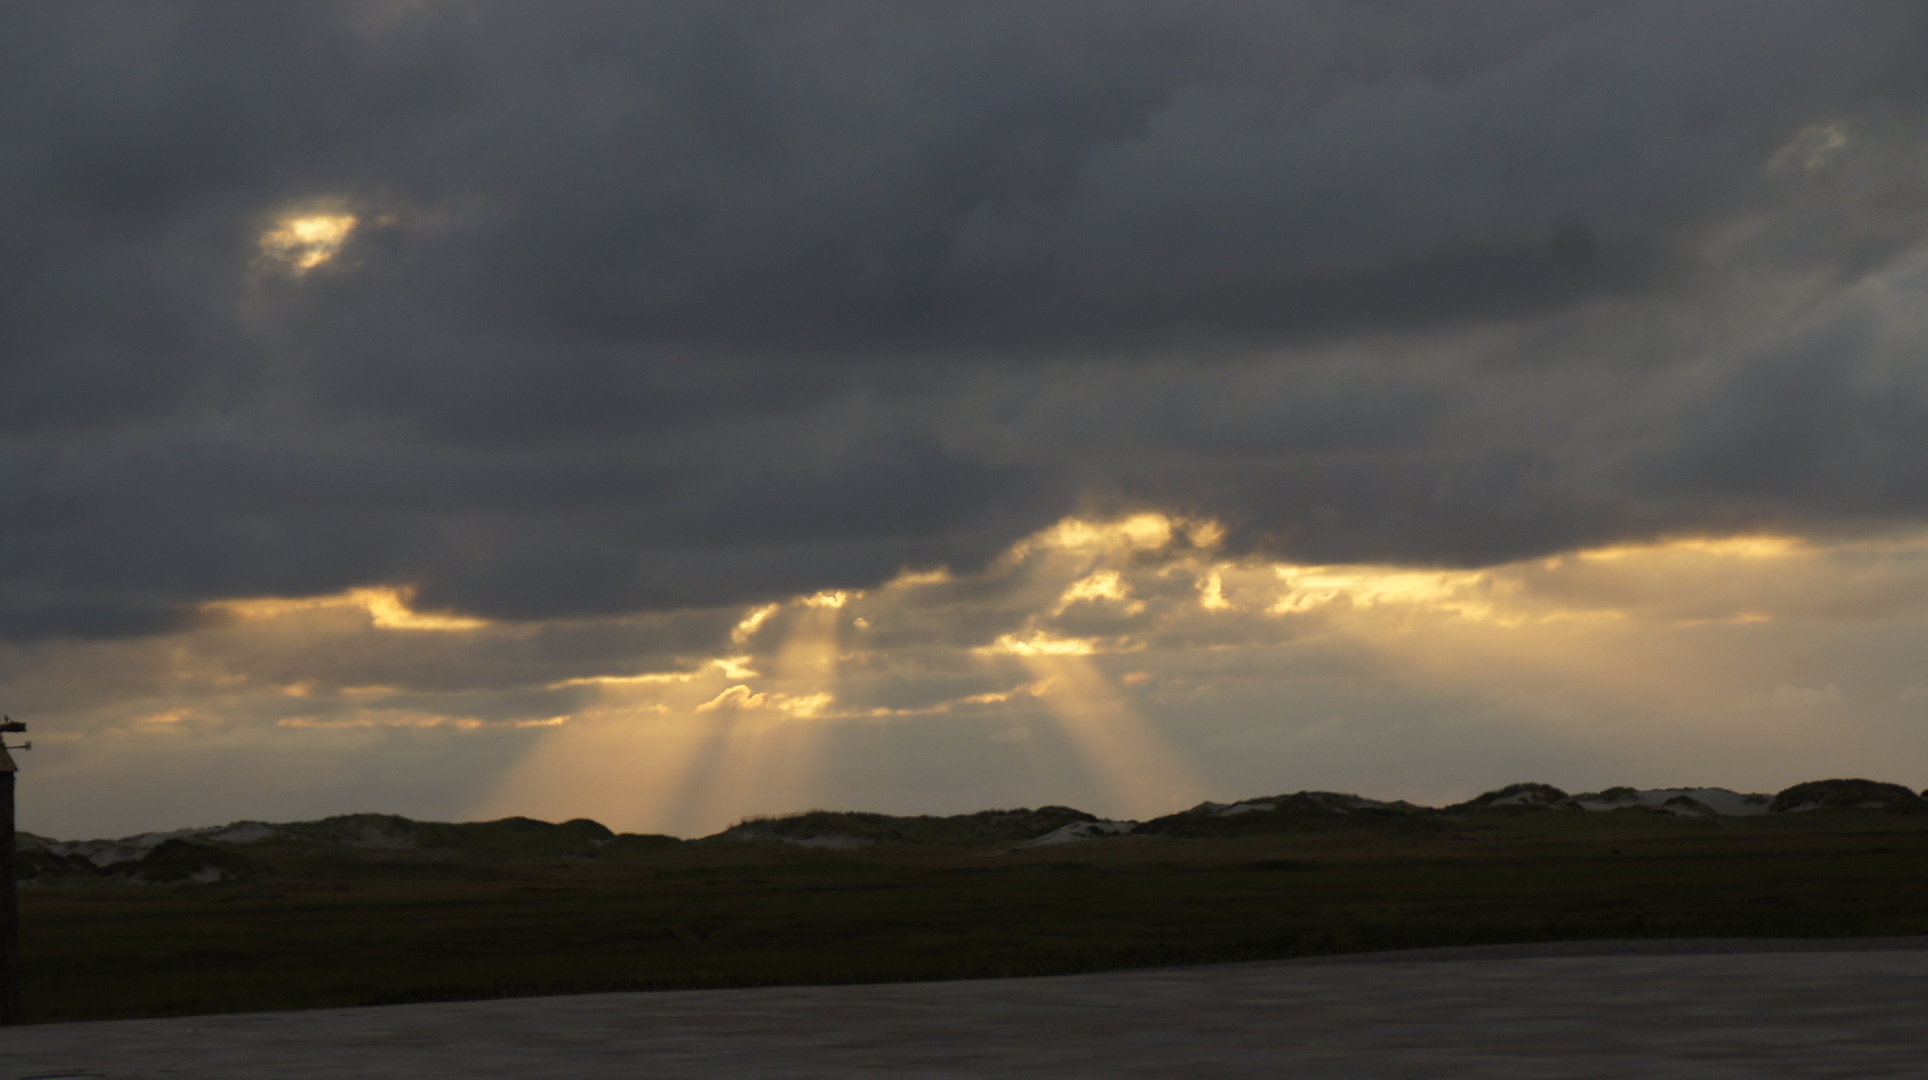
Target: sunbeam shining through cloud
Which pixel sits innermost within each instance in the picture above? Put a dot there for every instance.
(1127, 664)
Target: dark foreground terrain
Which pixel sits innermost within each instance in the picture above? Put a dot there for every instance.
(522, 908)
(1655, 1009)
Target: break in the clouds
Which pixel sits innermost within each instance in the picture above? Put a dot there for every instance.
(588, 327)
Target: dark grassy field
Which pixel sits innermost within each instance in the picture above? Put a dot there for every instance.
(334, 928)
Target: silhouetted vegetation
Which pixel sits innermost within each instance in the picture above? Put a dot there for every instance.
(1860, 794)
(987, 827)
(520, 907)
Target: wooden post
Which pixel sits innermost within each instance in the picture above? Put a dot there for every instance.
(9, 892)
(9, 900)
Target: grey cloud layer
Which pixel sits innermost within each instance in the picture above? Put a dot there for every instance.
(659, 306)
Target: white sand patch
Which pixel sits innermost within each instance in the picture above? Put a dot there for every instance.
(1078, 832)
(375, 836)
(828, 841)
(244, 832)
(1870, 804)
(108, 852)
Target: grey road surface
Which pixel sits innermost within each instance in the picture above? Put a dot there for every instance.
(1702, 1010)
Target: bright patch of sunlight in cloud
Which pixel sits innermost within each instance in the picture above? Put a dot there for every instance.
(1037, 643)
(1731, 547)
(407, 719)
(387, 608)
(1307, 587)
(1211, 592)
(829, 599)
(753, 621)
(742, 697)
(1142, 532)
(305, 241)
(390, 610)
(1103, 585)
(648, 678)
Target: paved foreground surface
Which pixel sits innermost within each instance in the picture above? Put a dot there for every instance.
(1847, 1010)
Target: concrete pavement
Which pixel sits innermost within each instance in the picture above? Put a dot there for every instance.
(1650, 1010)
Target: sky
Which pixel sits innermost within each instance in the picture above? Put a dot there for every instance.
(666, 413)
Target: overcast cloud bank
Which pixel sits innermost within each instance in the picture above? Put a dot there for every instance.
(602, 324)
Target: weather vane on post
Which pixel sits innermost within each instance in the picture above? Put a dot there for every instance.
(9, 895)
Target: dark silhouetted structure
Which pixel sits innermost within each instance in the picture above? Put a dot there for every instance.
(9, 895)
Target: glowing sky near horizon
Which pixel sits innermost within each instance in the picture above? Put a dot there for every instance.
(1127, 666)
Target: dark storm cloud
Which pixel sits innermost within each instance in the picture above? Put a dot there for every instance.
(656, 306)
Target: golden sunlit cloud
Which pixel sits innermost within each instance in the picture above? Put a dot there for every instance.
(1733, 547)
(752, 622)
(1037, 643)
(1144, 531)
(1211, 592)
(1462, 591)
(829, 599)
(741, 697)
(390, 610)
(1081, 656)
(646, 679)
(921, 577)
(1035, 689)
(387, 608)
(305, 241)
(1102, 585)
